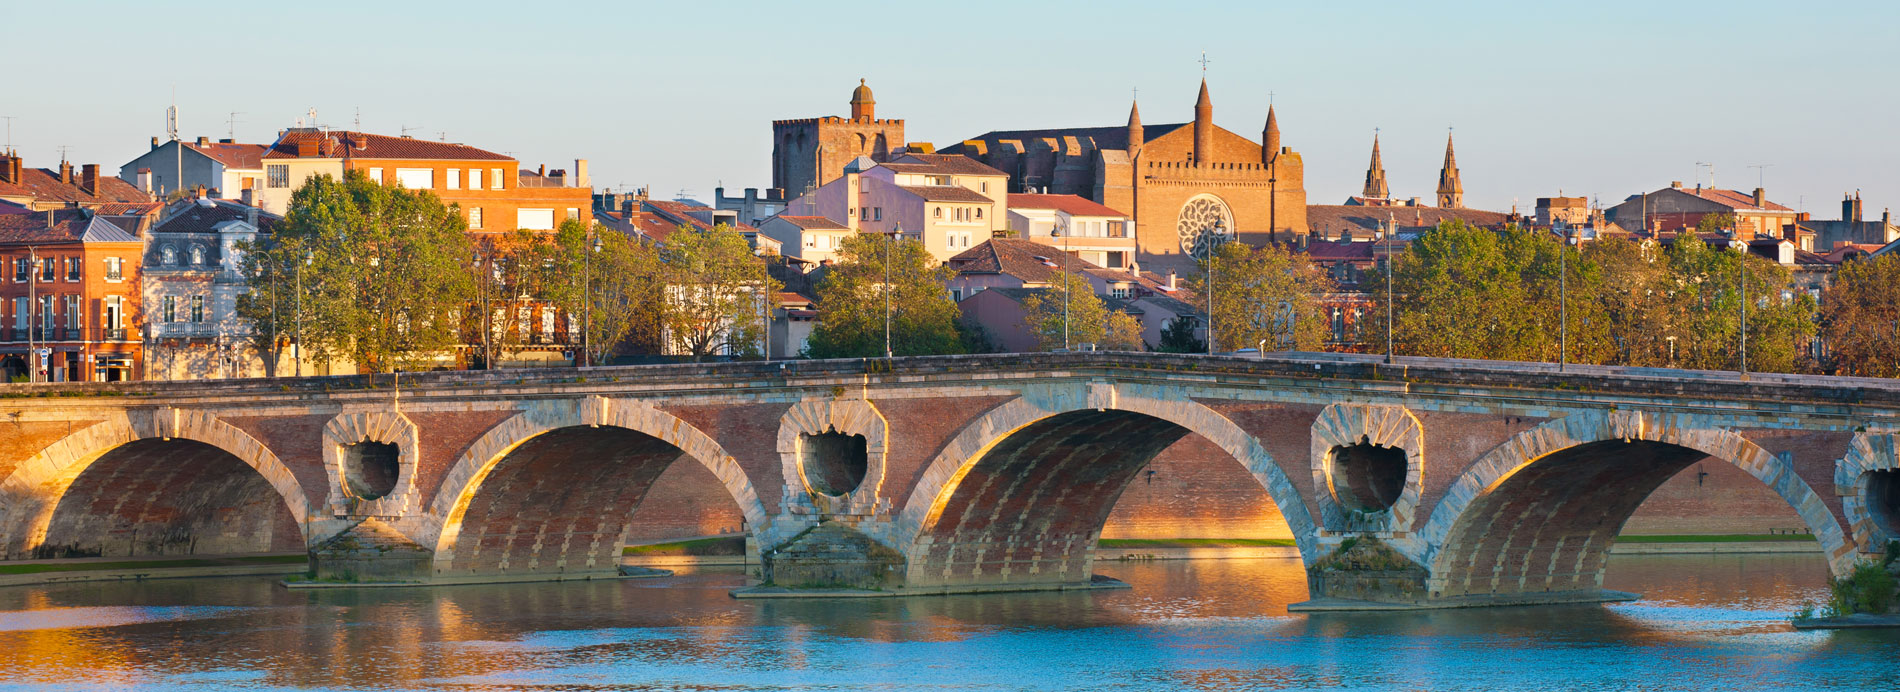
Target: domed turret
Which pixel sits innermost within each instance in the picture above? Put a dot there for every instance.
(863, 107)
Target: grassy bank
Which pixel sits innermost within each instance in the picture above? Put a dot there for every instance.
(1194, 543)
(37, 568)
(1721, 538)
(703, 547)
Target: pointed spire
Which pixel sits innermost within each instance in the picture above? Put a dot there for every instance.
(1375, 175)
(1203, 126)
(1135, 136)
(1451, 190)
(1270, 138)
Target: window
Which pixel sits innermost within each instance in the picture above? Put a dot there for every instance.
(985, 187)
(950, 241)
(475, 218)
(979, 212)
(46, 312)
(535, 219)
(1122, 291)
(72, 313)
(167, 256)
(277, 175)
(1115, 231)
(113, 266)
(474, 178)
(573, 214)
(937, 212)
(20, 312)
(454, 178)
(198, 309)
(197, 256)
(171, 309)
(494, 174)
(416, 178)
(72, 268)
(47, 268)
(376, 174)
(115, 312)
(877, 213)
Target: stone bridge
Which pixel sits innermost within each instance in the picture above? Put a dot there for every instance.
(1483, 482)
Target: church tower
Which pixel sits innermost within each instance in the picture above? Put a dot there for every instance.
(1270, 138)
(1375, 176)
(1135, 139)
(1451, 191)
(1203, 127)
(863, 107)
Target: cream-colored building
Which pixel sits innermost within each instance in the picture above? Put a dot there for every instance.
(950, 203)
(1077, 225)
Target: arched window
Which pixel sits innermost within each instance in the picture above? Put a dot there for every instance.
(167, 255)
(197, 255)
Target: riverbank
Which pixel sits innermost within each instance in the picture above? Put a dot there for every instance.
(85, 569)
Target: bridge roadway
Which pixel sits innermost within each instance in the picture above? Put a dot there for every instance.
(1483, 482)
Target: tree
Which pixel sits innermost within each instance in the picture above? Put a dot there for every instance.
(1715, 223)
(1632, 300)
(384, 272)
(1084, 322)
(719, 296)
(511, 274)
(1178, 336)
(1265, 296)
(851, 296)
(610, 284)
(1705, 302)
(1122, 333)
(1860, 318)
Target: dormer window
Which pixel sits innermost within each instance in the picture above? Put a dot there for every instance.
(168, 256)
(197, 256)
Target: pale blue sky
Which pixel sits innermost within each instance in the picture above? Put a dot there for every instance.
(1604, 98)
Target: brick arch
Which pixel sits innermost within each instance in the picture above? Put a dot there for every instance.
(1385, 426)
(390, 427)
(1539, 512)
(33, 492)
(633, 429)
(1870, 451)
(1087, 430)
(847, 416)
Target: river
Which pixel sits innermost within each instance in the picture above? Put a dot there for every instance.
(1707, 622)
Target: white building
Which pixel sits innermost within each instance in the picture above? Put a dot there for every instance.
(190, 283)
(950, 203)
(1095, 233)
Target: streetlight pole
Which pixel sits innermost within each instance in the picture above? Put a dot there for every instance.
(1391, 229)
(1563, 301)
(1741, 287)
(889, 241)
(32, 314)
(1209, 250)
(1064, 272)
(296, 351)
(592, 245)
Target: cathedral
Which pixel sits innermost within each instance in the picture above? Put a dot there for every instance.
(1186, 186)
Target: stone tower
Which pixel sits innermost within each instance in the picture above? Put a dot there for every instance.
(1203, 127)
(1375, 176)
(1451, 191)
(1270, 138)
(863, 107)
(1134, 128)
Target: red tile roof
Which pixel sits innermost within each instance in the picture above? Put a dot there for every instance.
(192, 216)
(364, 145)
(233, 155)
(813, 223)
(942, 164)
(43, 185)
(1328, 220)
(1073, 205)
(67, 225)
(1733, 199)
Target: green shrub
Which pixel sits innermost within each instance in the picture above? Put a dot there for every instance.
(1868, 589)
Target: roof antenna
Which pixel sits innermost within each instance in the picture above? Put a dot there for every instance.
(359, 119)
(9, 120)
(405, 129)
(231, 126)
(63, 148)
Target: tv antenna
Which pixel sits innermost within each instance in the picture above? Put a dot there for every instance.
(171, 121)
(1698, 173)
(9, 120)
(684, 194)
(231, 126)
(1761, 174)
(406, 129)
(358, 124)
(63, 148)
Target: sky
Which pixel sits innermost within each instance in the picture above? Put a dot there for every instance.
(1605, 99)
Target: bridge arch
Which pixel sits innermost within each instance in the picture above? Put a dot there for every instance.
(1539, 512)
(1021, 494)
(520, 466)
(217, 466)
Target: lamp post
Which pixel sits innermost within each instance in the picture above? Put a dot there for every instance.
(32, 314)
(1391, 229)
(587, 298)
(1063, 271)
(1741, 288)
(890, 238)
(1563, 301)
(1209, 249)
(296, 351)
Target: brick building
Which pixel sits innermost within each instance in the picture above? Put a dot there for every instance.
(40, 189)
(493, 193)
(809, 152)
(1182, 184)
(1676, 207)
(225, 168)
(69, 283)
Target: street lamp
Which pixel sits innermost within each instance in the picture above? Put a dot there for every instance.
(587, 298)
(296, 352)
(889, 240)
(1391, 229)
(1063, 271)
(1208, 250)
(1741, 287)
(32, 314)
(1563, 300)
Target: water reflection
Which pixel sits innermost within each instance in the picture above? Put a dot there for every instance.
(1215, 625)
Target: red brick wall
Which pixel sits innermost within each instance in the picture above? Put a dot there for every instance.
(750, 434)
(443, 438)
(298, 443)
(175, 497)
(919, 430)
(686, 501)
(20, 441)
(1197, 490)
(1727, 500)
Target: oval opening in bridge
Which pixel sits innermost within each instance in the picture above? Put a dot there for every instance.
(1367, 477)
(1883, 500)
(833, 462)
(370, 469)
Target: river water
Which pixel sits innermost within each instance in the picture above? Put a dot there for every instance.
(1708, 622)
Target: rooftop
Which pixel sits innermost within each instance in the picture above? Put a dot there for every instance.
(364, 145)
(1073, 205)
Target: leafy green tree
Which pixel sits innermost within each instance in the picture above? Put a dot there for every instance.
(924, 320)
(1860, 318)
(1633, 301)
(385, 271)
(1066, 319)
(719, 295)
(1122, 333)
(610, 283)
(1705, 300)
(1715, 223)
(1266, 295)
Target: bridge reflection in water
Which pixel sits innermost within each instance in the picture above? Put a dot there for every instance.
(1419, 484)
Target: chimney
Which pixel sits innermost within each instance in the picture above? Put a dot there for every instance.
(154, 142)
(250, 212)
(89, 178)
(6, 168)
(1172, 285)
(1761, 199)
(66, 172)
(1675, 184)
(145, 180)
(580, 173)
(249, 198)
(306, 147)
(227, 141)
(1886, 217)
(542, 170)
(1850, 208)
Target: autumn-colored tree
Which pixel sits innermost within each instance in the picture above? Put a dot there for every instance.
(1705, 294)
(1860, 318)
(384, 271)
(1265, 297)
(1068, 314)
(851, 299)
